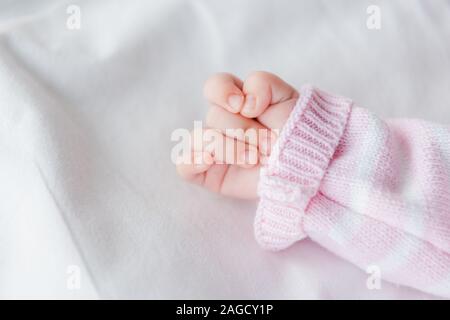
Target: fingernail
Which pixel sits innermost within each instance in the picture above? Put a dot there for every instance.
(235, 102)
(250, 103)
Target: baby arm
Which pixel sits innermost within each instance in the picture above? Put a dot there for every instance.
(375, 192)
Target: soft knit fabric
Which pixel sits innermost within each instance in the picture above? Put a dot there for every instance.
(374, 192)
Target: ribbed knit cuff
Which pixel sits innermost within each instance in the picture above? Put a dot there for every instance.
(296, 166)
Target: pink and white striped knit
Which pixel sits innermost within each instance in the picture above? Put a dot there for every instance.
(375, 192)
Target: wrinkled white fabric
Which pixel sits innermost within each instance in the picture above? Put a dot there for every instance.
(86, 118)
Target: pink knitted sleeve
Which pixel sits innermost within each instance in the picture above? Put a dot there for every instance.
(373, 192)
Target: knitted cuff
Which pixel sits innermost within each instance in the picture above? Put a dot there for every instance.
(295, 168)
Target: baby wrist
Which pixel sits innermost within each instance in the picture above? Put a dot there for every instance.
(296, 166)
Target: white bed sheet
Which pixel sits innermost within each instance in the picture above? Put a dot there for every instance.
(85, 123)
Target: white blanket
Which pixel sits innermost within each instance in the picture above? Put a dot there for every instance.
(90, 204)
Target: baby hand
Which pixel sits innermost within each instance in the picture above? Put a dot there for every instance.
(230, 162)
